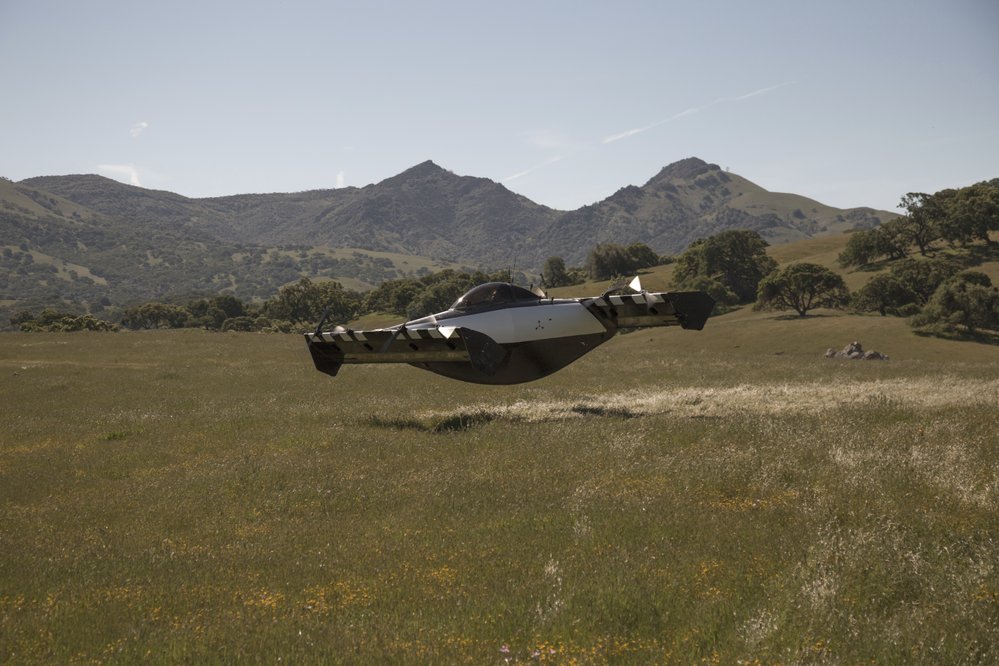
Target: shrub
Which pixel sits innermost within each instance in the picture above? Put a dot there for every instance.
(884, 294)
(966, 301)
(736, 259)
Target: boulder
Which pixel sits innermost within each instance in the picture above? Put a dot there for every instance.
(855, 351)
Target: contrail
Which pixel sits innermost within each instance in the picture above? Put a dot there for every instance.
(521, 174)
(761, 91)
(638, 130)
(688, 112)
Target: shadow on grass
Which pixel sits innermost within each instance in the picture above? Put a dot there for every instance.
(967, 256)
(396, 423)
(453, 423)
(981, 337)
(797, 317)
(467, 420)
(462, 422)
(980, 254)
(596, 410)
(874, 266)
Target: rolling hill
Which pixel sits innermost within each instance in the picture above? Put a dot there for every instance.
(89, 242)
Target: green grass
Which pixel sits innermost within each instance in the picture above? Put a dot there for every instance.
(680, 497)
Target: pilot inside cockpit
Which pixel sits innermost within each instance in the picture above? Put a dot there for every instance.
(492, 293)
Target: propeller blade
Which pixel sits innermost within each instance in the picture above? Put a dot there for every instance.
(322, 320)
(395, 334)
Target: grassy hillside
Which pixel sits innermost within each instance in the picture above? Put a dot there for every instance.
(720, 496)
(16, 198)
(805, 217)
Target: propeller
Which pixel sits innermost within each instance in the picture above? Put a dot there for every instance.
(322, 320)
(395, 334)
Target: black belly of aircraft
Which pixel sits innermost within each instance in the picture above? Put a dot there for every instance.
(524, 361)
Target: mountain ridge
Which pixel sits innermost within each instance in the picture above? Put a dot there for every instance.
(428, 210)
(89, 239)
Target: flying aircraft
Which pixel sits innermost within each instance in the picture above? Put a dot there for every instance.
(499, 333)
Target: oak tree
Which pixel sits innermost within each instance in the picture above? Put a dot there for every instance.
(802, 287)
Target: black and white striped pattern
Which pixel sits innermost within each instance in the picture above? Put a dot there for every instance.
(629, 299)
(339, 336)
(348, 335)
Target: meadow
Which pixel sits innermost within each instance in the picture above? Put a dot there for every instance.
(725, 496)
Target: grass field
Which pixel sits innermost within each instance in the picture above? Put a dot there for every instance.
(726, 496)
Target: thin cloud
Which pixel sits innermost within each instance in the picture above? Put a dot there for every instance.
(638, 130)
(120, 172)
(689, 112)
(532, 169)
(138, 128)
(755, 93)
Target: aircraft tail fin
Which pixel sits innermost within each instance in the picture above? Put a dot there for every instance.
(327, 358)
(692, 307)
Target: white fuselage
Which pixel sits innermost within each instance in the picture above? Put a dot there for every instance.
(524, 324)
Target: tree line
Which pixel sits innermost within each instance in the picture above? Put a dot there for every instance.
(939, 294)
(303, 303)
(954, 217)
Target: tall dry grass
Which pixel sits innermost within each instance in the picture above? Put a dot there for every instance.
(194, 497)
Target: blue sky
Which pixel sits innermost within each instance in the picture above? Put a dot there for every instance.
(850, 103)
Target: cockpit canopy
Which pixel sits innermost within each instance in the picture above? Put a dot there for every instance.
(493, 293)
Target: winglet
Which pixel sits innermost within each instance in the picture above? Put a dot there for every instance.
(636, 284)
(327, 358)
(692, 307)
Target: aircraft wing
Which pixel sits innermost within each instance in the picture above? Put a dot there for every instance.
(687, 309)
(331, 349)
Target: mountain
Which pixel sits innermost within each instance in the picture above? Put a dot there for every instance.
(424, 211)
(87, 240)
(692, 199)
